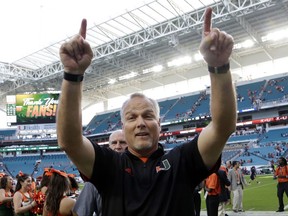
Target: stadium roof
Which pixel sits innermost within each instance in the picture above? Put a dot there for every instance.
(128, 47)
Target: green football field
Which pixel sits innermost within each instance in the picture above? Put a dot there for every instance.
(258, 197)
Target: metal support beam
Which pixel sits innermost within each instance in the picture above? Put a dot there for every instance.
(37, 71)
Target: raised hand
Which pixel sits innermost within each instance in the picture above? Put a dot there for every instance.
(76, 55)
(216, 46)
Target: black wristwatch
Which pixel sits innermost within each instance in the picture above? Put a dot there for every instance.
(219, 70)
(73, 77)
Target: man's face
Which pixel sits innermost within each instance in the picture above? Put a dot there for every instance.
(228, 164)
(141, 126)
(237, 165)
(117, 141)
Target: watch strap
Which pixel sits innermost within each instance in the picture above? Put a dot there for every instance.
(219, 70)
(73, 77)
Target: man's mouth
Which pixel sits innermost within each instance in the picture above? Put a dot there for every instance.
(142, 134)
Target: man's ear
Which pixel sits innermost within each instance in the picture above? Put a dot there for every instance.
(159, 123)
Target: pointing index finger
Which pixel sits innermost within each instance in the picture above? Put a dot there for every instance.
(207, 21)
(83, 28)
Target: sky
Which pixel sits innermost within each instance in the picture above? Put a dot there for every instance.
(30, 25)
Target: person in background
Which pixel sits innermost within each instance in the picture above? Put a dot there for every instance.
(57, 202)
(281, 173)
(23, 198)
(197, 198)
(117, 141)
(224, 194)
(45, 180)
(228, 167)
(238, 182)
(73, 185)
(6, 196)
(1, 175)
(253, 175)
(144, 180)
(33, 185)
(40, 195)
(89, 200)
(213, 189)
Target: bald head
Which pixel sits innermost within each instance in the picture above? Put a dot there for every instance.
(117, 141)
(228, 164)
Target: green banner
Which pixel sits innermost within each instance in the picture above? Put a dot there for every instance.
(36, 108)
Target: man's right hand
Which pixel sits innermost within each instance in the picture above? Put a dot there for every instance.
(76, 55)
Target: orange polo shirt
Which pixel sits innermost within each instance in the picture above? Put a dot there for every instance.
(213, 183)
(282, 171)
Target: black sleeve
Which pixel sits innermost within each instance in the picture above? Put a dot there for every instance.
(223, 177)
(194, 162)
(104, 166)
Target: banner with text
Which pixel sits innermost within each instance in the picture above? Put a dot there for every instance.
(36, 108)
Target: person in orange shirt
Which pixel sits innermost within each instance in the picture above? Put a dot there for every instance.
(213, 189)
(281, 174)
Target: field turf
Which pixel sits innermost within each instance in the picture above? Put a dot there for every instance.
(258, 197)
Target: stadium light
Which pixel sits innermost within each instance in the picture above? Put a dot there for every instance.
(112, 81)
(156, 68)
(180, 61)
(128, 76)
(275, 36)
(246, 44)
(198, 57)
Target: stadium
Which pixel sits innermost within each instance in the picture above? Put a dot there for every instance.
(154, 49)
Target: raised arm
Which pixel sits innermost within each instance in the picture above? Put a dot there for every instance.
(216, 47)
(76, 55)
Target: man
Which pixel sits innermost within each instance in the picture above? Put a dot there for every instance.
(197, 198)
(253, 175)
(238, 182)
(281, 174)
(228, 167)
(224, 196)
(213, 190)
(117, 141)
(144, 180)
(89, 200)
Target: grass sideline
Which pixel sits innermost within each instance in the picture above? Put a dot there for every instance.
(258, 197)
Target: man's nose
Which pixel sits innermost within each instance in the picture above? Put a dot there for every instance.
(140, 122)
(118, 145)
